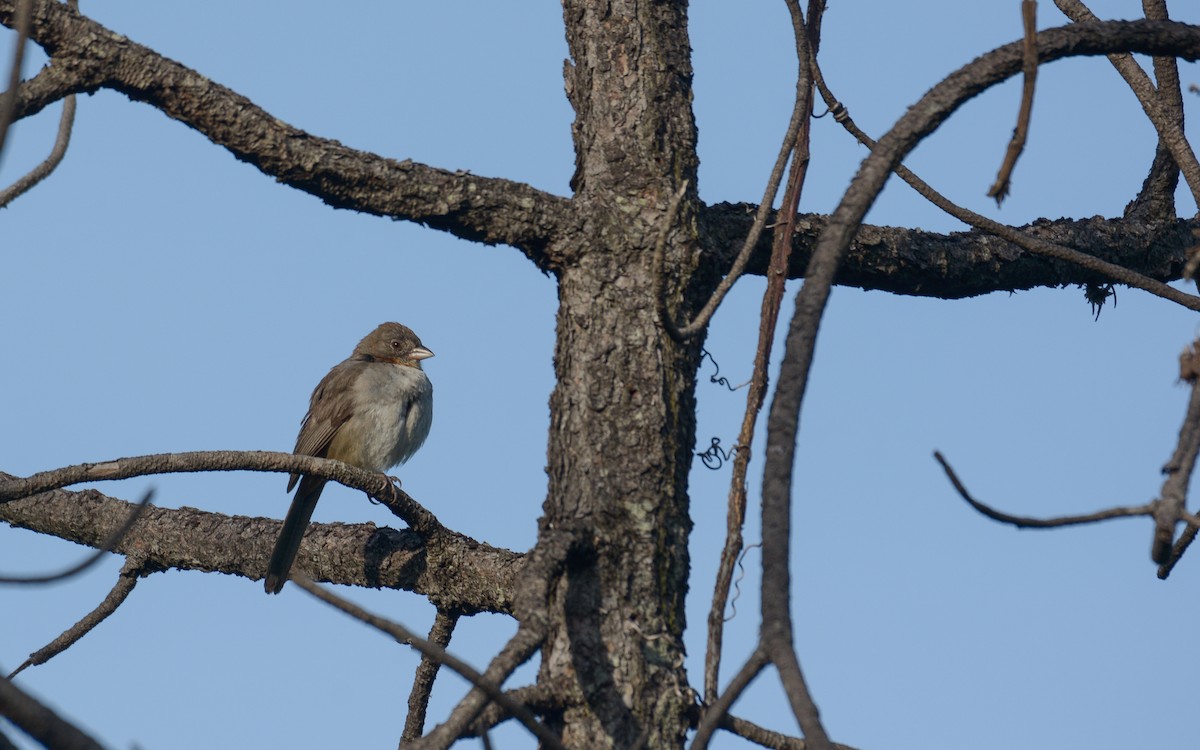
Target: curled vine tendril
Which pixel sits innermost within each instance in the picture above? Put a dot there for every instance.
(716, 377)
(714, 457)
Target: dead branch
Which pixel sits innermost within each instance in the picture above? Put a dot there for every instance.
(133, 569)
(418, 698)
(1025, 522)
(482, 209)
(1029, 66)
(39, 722)
(108, 546)
(483, 683)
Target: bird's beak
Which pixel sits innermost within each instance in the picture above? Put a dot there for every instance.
(420, 353)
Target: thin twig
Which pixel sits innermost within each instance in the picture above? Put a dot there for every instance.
(1000, 188)
(484, 683)
(1156, 199)
(549, 696)
(781, 249)
(716, 711)
(1021, 239)
(8, 100)
(1181, 545)
(782, 433)
(515, 653)
(682, 332)
(376, 485)
(1025, 522)
(765, 737)
(43, 170)
(418, 699)
(1170, 128)
(1172, 504)
(6, 743)
(39, 722)
(783, 655)
(108, 546)
(133, 569)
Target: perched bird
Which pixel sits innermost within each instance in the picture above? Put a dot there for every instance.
(373, 411)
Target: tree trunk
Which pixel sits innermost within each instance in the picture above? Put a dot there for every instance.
(617, 613)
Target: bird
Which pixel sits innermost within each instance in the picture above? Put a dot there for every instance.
(373, 410)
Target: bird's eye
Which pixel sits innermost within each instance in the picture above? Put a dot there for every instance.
(395, 344)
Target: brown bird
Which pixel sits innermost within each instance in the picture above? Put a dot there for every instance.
(373, 411)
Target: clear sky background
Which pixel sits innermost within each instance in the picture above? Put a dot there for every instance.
(159, 295)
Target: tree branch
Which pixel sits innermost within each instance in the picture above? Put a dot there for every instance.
(453, 570)
(966, 264)
(1023, 239)
(546, 697)
(31, 178)
(481, 209)
(1001, 186)
(765, 737)
(39, 722)
(931, 269)
(515, 653)
(781, 249)
(1162, 107)
(485, 685)
(1025, 522)
(133, 569)
(1172, 504)
(427, 670)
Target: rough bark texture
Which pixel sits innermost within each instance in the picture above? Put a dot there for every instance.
(622, 414)
(454, 571)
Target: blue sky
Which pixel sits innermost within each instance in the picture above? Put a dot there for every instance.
(161, 296)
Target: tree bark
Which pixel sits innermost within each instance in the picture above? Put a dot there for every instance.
(622, 414)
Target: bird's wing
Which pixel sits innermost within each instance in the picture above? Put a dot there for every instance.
(331, 405)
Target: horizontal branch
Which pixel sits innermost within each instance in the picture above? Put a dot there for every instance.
(481, 209)
(451, 569)
(967, 264)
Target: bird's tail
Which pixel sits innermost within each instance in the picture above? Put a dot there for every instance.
(294, 525)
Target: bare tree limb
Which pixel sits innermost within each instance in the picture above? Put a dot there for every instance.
(39, 722)
(57, 152)
(1156, 102)
(483, 682)
(550, 697)
(786, 149)
(22, 22)
(765, 737)
(133, 569)
(91, 559)
(418, 698)
(481, 209)
(453, 570)
(1029, 66)
(783, 423)
(958, 265)
(1156, 200)
(1024, 522)
(806, 40)
(1172, 504)
(515, 653)
(718, 709)
(374, 484)
(1023, 239)
(1181, 546)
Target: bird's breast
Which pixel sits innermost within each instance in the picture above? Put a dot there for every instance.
(393, 410)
